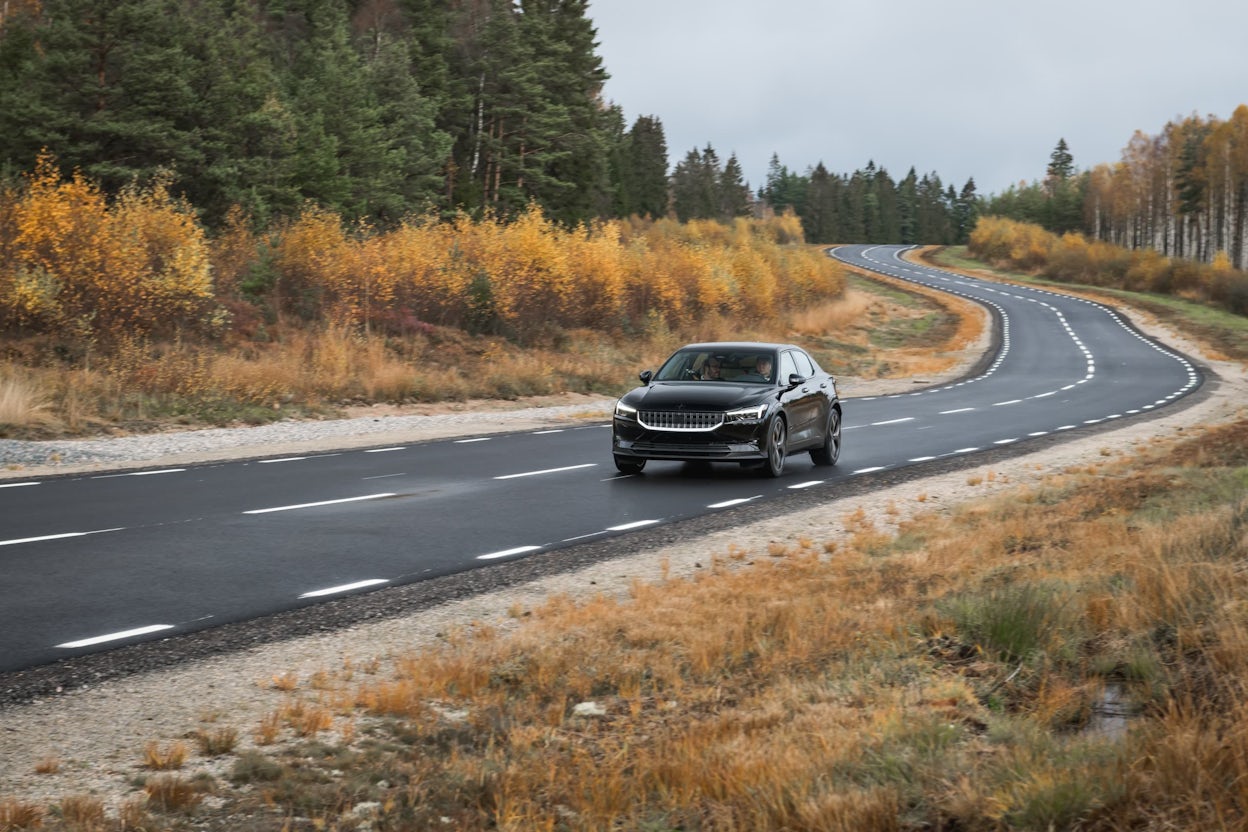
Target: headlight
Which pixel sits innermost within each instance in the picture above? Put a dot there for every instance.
(746, 414)
(624, 411)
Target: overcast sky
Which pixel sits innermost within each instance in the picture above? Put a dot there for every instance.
(981, 88)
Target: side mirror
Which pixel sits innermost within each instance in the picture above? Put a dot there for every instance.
(796, 379)
(645, 376)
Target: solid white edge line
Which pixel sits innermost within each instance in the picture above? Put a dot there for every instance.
(322, 503)
(506, 553)
(137, 631)
(56, 536)
(546, 471)
(334, 590)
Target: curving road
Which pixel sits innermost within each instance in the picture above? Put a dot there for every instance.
(90, 563)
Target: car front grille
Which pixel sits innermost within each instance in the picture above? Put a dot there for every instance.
(680, 420)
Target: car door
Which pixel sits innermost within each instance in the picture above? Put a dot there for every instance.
(802, 402)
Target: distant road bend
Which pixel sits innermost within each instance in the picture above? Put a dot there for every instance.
(94, 562)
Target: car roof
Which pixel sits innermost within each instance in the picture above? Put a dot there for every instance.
(728, 346)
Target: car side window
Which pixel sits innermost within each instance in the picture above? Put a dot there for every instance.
(804, 364)
(787, 366)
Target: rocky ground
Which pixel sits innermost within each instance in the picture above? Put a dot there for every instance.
(93, 730)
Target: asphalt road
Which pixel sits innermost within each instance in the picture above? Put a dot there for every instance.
(95, 563)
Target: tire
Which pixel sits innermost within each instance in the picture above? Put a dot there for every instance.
(629, 465)
(830, 451)
(777, 447)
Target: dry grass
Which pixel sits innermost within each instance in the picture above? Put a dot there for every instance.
(216, 742)
(301, 371)
(164, 758)
(20, 814)
(83, 812)
(23, 404)
(172, 793)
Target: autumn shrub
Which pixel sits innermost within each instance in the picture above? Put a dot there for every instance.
(529, 278)
(74, 263)
(1073, 258)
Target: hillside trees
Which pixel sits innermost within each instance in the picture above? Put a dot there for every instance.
(703, 188)
(374, 109)
(869, 206)
(1182, 192)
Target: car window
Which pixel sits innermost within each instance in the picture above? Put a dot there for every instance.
(787, 367)
(681, 366)
(804, 365)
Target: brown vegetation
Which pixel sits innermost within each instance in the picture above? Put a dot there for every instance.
(1073, 258)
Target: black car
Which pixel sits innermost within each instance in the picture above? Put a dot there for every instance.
(750, 403)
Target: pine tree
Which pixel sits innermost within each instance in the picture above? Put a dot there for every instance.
(908, 208)
(965, 213)
(104, 86)
(695, 186)
(1061, 165)
(645, 169)
(821, 223)
(734, 191)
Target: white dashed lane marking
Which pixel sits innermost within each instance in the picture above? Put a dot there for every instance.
(319, 504)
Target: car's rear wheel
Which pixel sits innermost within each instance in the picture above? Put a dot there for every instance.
(777, 447)
(830, 450)
(628, 464)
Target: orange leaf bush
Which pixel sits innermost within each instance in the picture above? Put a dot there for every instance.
(72, 262)
(1073, 258)
(524, 278)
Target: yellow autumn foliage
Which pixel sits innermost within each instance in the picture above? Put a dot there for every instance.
(529, 276)
(139, 266)
(71, 261)
(1074, 258)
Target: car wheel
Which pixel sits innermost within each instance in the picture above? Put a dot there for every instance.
(830, 451)
(777, 437)
(629, 465)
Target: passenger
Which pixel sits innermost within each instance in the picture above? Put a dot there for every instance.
(761, 371)
(710, 370)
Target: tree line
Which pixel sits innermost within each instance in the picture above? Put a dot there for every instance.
(1182, 193)
(378, 110)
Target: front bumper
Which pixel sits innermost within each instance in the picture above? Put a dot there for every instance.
(728, 443)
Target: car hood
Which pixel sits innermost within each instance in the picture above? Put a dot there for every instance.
(697, 395)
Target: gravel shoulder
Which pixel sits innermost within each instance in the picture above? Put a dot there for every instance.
(97, 731)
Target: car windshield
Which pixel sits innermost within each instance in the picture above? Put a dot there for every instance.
(736, 366)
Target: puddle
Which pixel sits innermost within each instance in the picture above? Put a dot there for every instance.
(1111, 714)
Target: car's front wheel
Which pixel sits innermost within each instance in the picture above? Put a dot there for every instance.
(830, 450)
(628, 464)
(777, 447)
